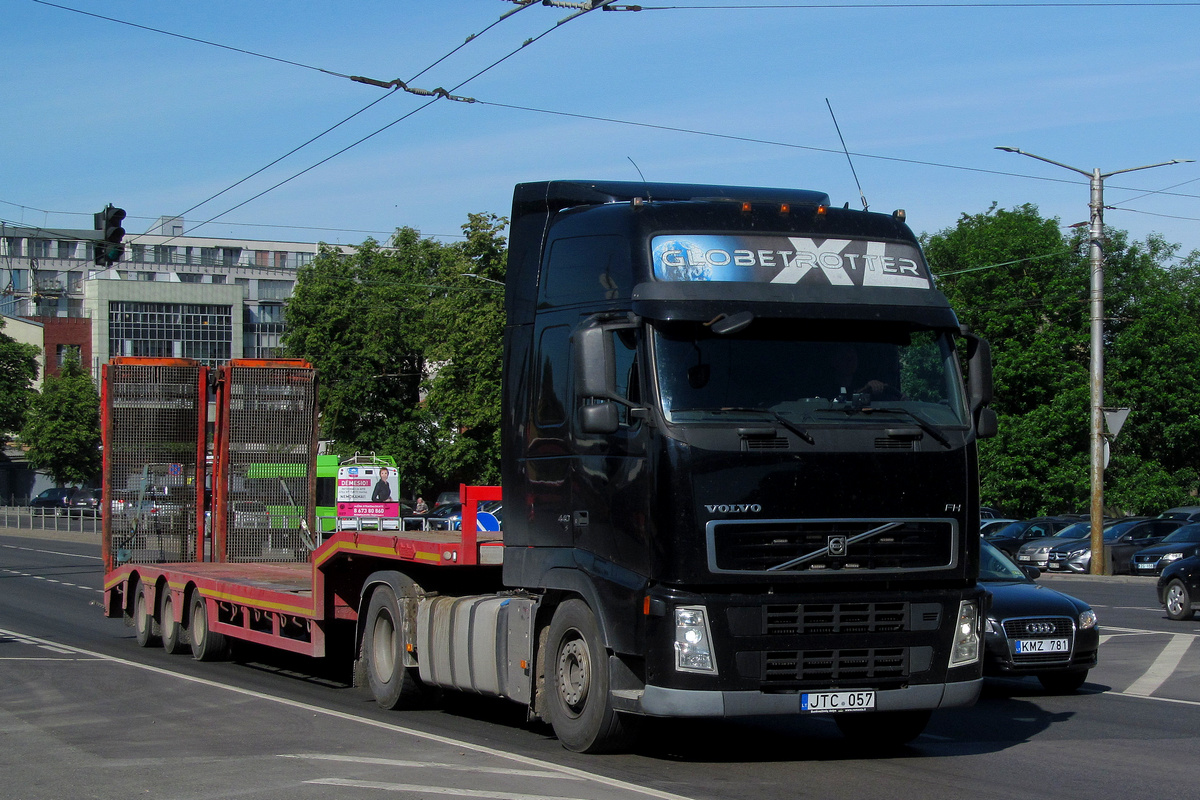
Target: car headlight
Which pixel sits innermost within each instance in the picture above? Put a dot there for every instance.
(965, 648)
(693, 644)
(1087, 620)
(1169, 557)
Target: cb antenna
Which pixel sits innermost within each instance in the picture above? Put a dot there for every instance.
(837, 127)
(649, 199)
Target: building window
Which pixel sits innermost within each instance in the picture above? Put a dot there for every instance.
(230, 256)
(74, 282)
(303, 259)
(18, 280)
(147, 276)
(64, 351)
(11, 246)
(188, 277)
(39, 248)
(66, 248)
(164, 254)
(275, 290)
(171, 330)
(137, 252)
(281, 260)
(245, 284)
(262, 258)
(218, 278)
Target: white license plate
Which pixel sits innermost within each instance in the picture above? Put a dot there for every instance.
(836, 702)
(1146, 565)
(1043, 645)
(1024, 558)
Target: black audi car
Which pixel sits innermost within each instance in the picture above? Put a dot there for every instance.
(1179, 588)
(1034, 630)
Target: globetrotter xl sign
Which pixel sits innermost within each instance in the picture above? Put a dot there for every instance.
(790, 259)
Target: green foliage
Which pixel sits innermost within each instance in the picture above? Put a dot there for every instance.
(62, 427)
(1023, 285)
(407, 348)
(18, 371)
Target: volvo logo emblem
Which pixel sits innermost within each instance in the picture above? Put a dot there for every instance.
(1039, 628)
(837, 545)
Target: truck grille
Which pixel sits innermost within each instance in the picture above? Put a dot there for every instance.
(835, 667)
(831, 544)
(818, 618)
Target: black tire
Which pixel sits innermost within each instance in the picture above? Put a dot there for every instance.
(1063, 682)
(1177, 601)
(393, 684)
(144, 624)
(172, 631)
(882, 728)
(206, 645)
(579, 705)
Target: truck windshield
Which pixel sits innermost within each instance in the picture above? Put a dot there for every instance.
(809, 374)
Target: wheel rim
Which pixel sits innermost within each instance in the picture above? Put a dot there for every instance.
(1175, 599)
(199, 624)
(383, 647)
(139, 613)
(574, 673)
(168, 618)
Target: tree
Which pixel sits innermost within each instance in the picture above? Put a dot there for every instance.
(62, 427)
(1022, 284)
(18, 371)
(407, 348)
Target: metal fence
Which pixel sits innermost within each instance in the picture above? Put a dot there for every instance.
(69, 520)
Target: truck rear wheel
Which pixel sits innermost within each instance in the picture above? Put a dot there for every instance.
(393, 684)
(579, 704)
(883, 728)
(206, 645)
(172, 631)
(145, 627)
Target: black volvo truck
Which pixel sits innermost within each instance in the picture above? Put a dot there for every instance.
(739, 464)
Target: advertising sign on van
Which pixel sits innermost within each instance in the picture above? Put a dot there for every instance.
(368, 492)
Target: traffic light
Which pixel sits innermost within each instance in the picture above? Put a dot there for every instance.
(109, 250)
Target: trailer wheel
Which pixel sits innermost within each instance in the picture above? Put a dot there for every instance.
(392, 683)
(172, 631)
(579, 705)
(206, 645)
(146, 628)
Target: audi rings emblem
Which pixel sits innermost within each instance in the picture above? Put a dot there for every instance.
(1039, 628)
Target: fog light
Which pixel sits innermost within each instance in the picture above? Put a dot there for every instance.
(693, 644)
(965, 648)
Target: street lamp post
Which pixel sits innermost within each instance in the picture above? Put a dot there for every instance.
(1096, 255)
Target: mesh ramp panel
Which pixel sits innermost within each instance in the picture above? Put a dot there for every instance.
(153, 416)
(271, 456)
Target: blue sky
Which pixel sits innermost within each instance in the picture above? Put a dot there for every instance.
(101, 112)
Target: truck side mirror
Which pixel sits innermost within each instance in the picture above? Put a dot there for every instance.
(594, 363)
(599, 418)
(986, 424)
(979, 381)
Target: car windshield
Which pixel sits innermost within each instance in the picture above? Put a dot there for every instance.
(806, 373)
(995, 566)
(1076, 530)
(1009, 531)
(1188, 533)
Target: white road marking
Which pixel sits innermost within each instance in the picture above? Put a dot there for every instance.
(388, 726)
(51, 552)
(395, 762)
(1162, 667)
(410, 787)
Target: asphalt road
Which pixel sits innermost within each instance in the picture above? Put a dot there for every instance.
(84, 712)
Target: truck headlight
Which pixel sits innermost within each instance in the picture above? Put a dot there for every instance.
(693, 643)
(965, 648)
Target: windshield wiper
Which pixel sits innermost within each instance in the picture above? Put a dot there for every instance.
(923, 423)
(780, 418)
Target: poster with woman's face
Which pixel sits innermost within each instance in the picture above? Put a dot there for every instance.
(364, 491)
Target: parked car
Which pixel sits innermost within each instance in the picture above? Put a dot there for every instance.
(987, 526)
(87, 499)
(1185, 513)
(1015, 534)
(1036, 551)
(445, 499)
(1179, 588)
(1181, 543)
(1122, 538)
(449, 517)
(1035, 630)
(57, 498)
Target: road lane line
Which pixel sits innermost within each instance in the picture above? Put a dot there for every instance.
(395, 762)
(51, 552)
(412, 787)
(1162, 667)
(388, 726)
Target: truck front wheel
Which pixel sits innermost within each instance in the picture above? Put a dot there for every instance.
(579, 705)
(392, 683)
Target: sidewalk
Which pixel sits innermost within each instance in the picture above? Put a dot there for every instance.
(51, 535)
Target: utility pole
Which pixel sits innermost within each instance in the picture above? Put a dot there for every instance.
(1096, 254)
